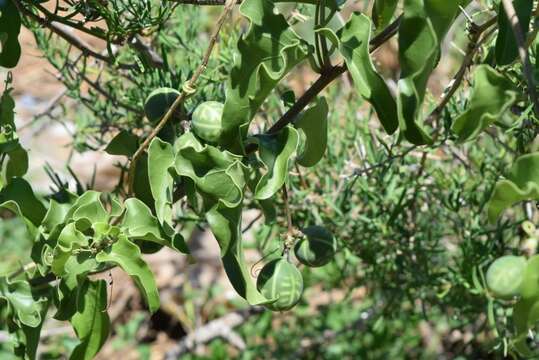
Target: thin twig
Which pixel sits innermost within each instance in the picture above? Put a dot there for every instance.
(287, 211)
(187, 90)
(97, 87)
(476, 41)
(522, 52)
(70, 38)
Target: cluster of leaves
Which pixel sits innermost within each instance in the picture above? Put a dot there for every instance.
(220, 167)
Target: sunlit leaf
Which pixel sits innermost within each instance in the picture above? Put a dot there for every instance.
(266, 54)
(492, 95)
(217, 175)
(18, 295)
(353, 44)
(160, 160)
(225, 224)
(70, 239)
(128, 256)
(91, 321)
(275, 152)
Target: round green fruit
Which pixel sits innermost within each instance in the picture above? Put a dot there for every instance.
(207, 122)
(318, 248)
(504, 276)
(158, 103)
(281, 280)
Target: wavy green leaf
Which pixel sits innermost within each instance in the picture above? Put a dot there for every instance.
(160, 159)
(424, 24)
(506, 50)
(21, 301)
(522, 184)
(314, 124)
(128, 256)
(19, 197)
(217, 175)
(275, 152)
(89, 210)
(69, 240)
(266, 54)
(492, 95)
(10, 26)
(26, 338)
(139, 223)
(353, 44)
(91, 321)
(225, 224)
(55, 215)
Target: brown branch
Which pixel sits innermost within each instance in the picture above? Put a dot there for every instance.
(147, 52)
(522, 52)
(188, 88)
(76, 25)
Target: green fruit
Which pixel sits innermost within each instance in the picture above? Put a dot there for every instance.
(206, 121)
(280, 280)
(504, 276)
(158, 103)
(317, 249)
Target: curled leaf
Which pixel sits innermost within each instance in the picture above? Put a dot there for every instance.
(275, 152)
(492, 95)
(21, 301)
(267, 53)
(225, 224)
(522, 183)
(160, 159)
(217, 175)
(128, 256)
(423, 27)
(19, 197)
(353, 43)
